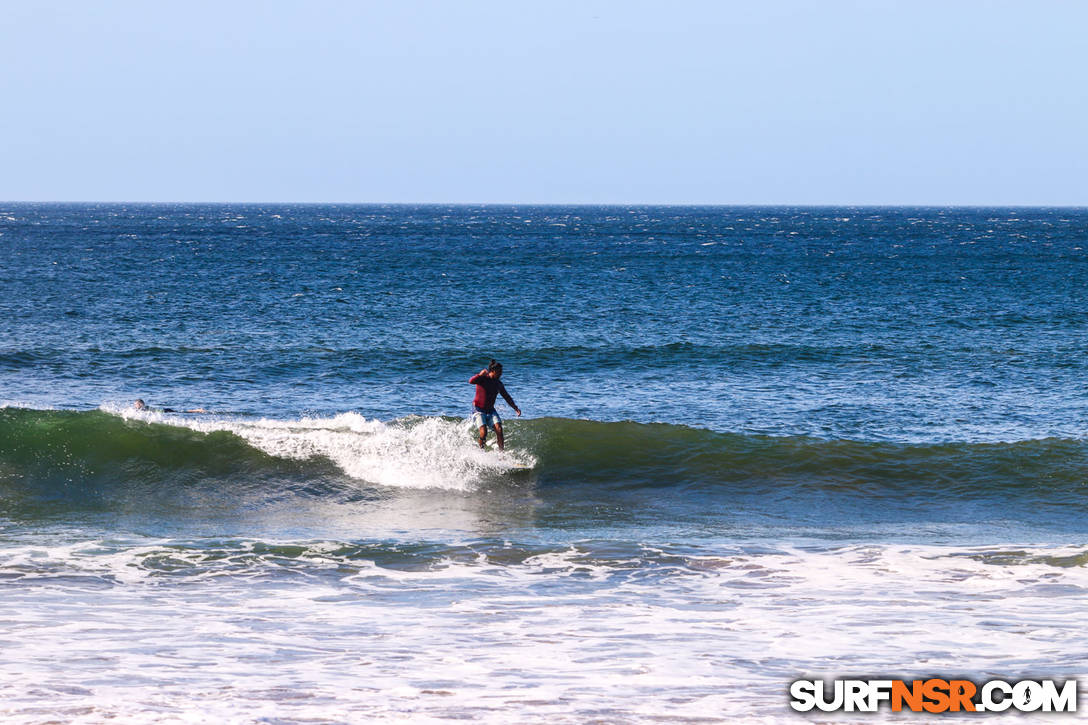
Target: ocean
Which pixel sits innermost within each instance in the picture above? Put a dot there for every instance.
(759, 444)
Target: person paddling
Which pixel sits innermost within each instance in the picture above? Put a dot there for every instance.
(488, 387)
(139, 404)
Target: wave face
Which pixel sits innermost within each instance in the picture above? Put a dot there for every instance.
(114, 447)
(65, 451)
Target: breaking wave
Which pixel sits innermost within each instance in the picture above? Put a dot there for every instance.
(433, 452)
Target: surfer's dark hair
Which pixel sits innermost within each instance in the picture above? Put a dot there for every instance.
(494, 365)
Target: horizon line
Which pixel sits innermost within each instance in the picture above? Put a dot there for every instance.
(839, 205)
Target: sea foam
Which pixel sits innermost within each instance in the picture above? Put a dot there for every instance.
(412, 452)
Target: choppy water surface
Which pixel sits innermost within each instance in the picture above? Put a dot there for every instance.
(759, 444)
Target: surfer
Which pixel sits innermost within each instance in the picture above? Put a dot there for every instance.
(488, 387)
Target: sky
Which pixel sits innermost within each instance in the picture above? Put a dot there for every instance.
(590, 101)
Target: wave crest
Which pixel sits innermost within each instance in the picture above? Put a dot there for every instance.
(424, 453)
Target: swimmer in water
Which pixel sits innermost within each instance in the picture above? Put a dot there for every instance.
(139, 404)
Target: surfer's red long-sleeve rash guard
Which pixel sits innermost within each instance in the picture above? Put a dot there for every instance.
(487, 388)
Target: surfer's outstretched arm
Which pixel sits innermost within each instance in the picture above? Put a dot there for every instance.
(508, 399)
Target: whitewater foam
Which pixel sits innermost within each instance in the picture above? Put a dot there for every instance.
(325, 630)
(412, 452)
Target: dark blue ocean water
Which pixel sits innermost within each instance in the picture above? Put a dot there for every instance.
(745, 429)
(862, 324)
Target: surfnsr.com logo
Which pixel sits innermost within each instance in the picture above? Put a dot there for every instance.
(934, 695)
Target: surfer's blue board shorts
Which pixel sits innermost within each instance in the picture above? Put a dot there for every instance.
(486, 420)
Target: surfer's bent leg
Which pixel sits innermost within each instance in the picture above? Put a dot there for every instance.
(498, 433)
(483, 435)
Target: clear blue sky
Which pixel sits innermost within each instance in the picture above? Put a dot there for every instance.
(764, 101)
